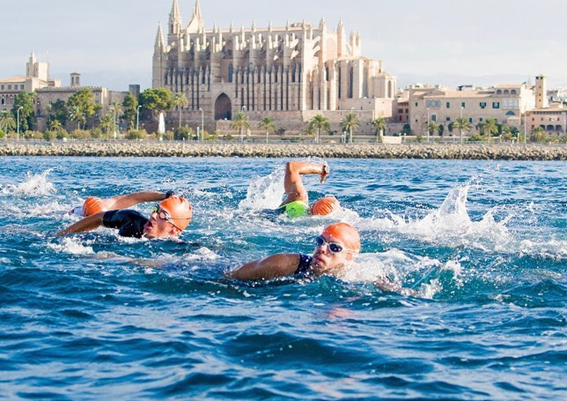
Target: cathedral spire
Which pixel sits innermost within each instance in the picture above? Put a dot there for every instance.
(175, 23)
(159, 44)
(197, 22)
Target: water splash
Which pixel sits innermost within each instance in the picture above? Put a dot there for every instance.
(35, 185)
(71, 246)
(450, 225)
(265, 192)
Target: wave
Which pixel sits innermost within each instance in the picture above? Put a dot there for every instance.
(34, 185)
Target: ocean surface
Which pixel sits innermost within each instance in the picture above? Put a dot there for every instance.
(95, 316)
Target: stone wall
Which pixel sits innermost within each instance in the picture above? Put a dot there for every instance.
(180, 149)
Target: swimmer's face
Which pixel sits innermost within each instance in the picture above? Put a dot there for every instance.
(157, 227)
(325, 261)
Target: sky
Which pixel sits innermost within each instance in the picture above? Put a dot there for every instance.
(447, 42)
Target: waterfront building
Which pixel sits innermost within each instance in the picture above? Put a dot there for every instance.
(503, 103)
(551, 117)
(290, 73)
(37, 77)
(48, 90)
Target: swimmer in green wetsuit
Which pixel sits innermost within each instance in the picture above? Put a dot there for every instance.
(296, 203)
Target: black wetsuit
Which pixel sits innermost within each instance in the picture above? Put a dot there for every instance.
(129, 223)
(304, 265)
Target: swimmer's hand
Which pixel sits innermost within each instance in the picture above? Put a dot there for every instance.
(325, 172)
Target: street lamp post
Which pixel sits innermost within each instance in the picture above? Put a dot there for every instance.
(138, 117)
(427, 127)
(461, 122)
(525, 127)
(114, 121)
(202, 122)
(18, 122)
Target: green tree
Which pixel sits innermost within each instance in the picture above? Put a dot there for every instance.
(130, 107)
(58, 111)
(538, 135)
(107, 123)
(433, 127)
(7, 121)
(180, 101)
(488, 128)
(156, 100)
(76, 114)
(350, 123)
(318, 123)
(55, 125)
(267, 124)
(379, 126)
(24, 102)
(82, 102)
(240, 122)
(462, 125)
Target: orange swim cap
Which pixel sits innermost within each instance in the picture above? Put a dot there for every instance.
(92, 205)
(179, 210)
(344, 233)
(325, 206)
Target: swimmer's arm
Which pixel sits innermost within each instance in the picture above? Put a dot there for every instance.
(87, 224)
(126, 201)
(282, 264)
(293, 184)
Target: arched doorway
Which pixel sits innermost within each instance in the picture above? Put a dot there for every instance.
(223, 107)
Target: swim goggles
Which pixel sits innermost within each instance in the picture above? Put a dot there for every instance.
(333, 247)
(164, 215)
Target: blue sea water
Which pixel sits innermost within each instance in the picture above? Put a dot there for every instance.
(95, 316)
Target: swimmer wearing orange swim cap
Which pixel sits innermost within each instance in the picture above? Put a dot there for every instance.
(296, 194)
(325, 206)
(92, 205)
(337, 245)
(168, 219)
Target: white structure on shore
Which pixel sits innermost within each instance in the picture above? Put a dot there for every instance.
(290, 73)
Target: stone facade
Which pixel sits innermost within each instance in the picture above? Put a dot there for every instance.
(37, 77)
(288, 72)
(504, 103)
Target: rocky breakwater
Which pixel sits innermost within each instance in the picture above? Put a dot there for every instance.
(212, 149)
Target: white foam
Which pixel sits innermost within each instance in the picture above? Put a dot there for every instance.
(35, 185)
(72, 246)
(265, 192)
(449, 225)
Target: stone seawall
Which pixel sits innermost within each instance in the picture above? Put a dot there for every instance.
(379, 151)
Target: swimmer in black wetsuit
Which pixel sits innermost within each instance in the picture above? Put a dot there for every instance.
(168, 219)
(338, 244)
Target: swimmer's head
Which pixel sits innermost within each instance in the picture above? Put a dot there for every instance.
(92, 205)
(179, 210)
(325, 206)
(338, 244)
(169, 218)
(345, 234)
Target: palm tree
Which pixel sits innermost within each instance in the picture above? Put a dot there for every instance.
(379, 126)
(319, 122)
(433, 127)
(506, 133)
(538, 135)
(240, 122)
(55, 125)
(76, 114)
(267, 123)
(488, 128)
(180, 101)
(7, 121)
(107, 123)
(462, 124)
(350, 123)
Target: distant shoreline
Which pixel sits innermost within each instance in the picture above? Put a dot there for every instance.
(354, 151)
